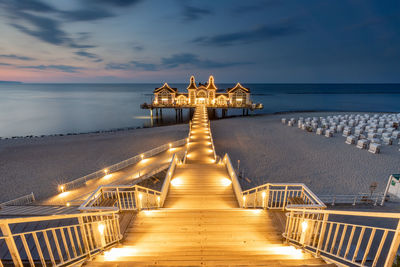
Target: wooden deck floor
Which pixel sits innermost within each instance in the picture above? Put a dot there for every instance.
(201, 223)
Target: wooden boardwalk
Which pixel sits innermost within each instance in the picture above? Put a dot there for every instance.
(201, 223)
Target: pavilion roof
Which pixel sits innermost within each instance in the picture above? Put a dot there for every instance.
(238, 86)
(167, 87)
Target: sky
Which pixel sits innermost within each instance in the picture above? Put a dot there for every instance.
(254, 41)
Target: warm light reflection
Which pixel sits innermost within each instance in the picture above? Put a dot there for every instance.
(177, 181)
(226, 182)
(63, 194)
(304, 226)
(148, 212)
(257, 211)
(107, 176)
(116, 253)
(101, 228)
(291, 252)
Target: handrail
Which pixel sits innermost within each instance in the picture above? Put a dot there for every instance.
(167, 180)
(212, 141)
(62, 240)
(27, 199)
(120, 165)
(361, 198)
(355, 241)
(235, 182)
(129, 197)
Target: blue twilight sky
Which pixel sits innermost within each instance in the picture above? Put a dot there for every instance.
(154, 41)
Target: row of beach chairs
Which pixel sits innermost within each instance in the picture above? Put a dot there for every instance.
(363, 130)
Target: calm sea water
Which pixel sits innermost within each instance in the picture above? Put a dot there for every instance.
(43, 109)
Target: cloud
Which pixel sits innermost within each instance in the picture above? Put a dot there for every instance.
(186, 59)
(253, 7)
(265, 32)
(12, 56)
(132, 65)
(45, 22)
(191, 13)
(63, 68)
(117, 3)
(5, 64)
(89, 55)
(138, 47)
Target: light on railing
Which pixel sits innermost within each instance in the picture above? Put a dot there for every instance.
(140, 196)
(304, 226)
(61, 188)
(101, 227)
(170, 145)
(244, 201)
(263, 194)
(106, 171)
(68, 204)
(142, 156)
(158, 201)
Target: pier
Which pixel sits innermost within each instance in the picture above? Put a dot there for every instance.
(207, 94)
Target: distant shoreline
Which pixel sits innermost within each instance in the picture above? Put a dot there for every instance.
(10, 82)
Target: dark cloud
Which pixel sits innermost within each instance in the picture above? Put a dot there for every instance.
(144, 66)
(116, 3)
(191, 13)
(5, 64)
(188, 59)
(87, 14)
(253, 7)
(138, 47)
(266, 32)
(63, 68)
(12, 56)
(36, 18)
(132, 65)
(94, 57)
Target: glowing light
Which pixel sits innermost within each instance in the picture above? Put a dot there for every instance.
(61, 188)
(304, 226)
(64, 194)
(140, 196)
(226, 182)
(263, 194)
(256, 211)
(101, 228)
(116, 253)
(177, 182)
(105, 171)
(244, 198)
(170, 145)
(142, 156)
(107, 176)
(68, 204)
(290, 251)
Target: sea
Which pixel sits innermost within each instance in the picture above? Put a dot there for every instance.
(54, 109)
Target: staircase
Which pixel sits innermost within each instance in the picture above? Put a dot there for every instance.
(201, 223)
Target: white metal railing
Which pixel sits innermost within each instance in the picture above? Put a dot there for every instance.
(171, 170)
(348, 238)
(58, 239)
(212, 141)
(130, 197)
(280, 196)
(118, 166)
(24, 200)
(235, 181)
(361, 198)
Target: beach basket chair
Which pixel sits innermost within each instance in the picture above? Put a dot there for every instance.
(351, 140)
(374, 148)
(363, 144)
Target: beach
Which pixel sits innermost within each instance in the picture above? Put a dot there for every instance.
(268, 152)
(39, 164)
(272, 152)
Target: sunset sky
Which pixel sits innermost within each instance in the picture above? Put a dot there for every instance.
(153, 41)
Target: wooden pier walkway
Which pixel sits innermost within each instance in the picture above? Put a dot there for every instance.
(201, 222)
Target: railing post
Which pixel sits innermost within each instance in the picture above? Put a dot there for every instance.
(322, 233)
(119, 199)
(334, 200)
(12, 247)
(354, 202)
(394, 247)
(84, 235)
(267, 198)
(284, 198)
(255, 199)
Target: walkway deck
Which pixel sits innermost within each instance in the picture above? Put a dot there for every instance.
(201, 223)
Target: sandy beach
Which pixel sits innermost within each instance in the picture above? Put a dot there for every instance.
(39, 164)
(272, 152)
